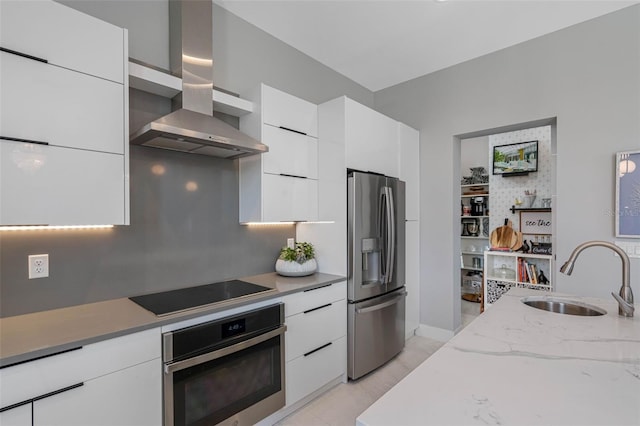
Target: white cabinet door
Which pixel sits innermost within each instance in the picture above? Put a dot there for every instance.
(19, 416)
(132, 396)
(281, 109)
(371, 140)
(307, 374)
(289, 153)
(63, 36)
(287, 198)
(50, 104)
(47, 185)
(409, 168)
(412, 277)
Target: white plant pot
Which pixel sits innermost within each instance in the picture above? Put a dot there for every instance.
(290, 268)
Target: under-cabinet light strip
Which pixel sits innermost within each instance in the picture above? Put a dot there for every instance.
(52, 227)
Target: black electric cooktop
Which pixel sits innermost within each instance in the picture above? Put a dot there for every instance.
(169, 302)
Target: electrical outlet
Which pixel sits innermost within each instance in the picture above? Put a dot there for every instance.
(38, 266)
(291, 243)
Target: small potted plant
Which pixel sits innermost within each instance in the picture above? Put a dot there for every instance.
(297, 261)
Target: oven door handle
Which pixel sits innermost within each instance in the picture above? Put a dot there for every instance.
(209, 356)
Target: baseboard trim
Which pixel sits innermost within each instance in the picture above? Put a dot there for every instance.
(436, 333)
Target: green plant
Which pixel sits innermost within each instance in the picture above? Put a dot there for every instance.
(300, 253)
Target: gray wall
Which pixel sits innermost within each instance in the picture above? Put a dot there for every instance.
(588, 76)
(177, 238)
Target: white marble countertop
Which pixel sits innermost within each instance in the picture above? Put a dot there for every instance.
(517, 365)
(29, 336)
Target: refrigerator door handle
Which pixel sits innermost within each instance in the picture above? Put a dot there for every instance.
(391, 234)
(382, 231)
(382, 305)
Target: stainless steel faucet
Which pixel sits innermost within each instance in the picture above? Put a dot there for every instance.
(625, 296)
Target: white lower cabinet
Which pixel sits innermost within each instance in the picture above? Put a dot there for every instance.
(113, 382)
(18, 416)
(315, 342)
(127, 397)
(306, 374)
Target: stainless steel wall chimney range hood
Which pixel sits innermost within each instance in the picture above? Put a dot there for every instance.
(191, 127)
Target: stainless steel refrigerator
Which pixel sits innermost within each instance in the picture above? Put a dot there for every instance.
(376, 272)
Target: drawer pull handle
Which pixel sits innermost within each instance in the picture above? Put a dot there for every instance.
(315, 309)
(43, 356)
(318, 288)
(56, 392)
(24, 55)
(318, 349)
(292, 130)
(293, 176)
(8, 138)
(38, 398)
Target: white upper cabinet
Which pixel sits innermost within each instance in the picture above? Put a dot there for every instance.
(280, 109)
(51, 104)
(64, 120)
(289, 153)
(64, 37)
(282, 184)
(409, 168)
(371, 140)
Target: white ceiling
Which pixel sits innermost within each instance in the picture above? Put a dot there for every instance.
(382, 43)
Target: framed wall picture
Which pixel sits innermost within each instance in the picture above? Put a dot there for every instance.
(535, 222)
(627, 208)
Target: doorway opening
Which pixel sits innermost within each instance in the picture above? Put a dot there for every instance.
(490, 200)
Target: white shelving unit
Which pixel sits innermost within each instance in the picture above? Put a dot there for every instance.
(472, 246)
(496, 285)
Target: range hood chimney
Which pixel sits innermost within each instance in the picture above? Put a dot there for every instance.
(191, 126)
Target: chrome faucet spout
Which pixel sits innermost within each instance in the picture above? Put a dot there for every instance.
(625, 295)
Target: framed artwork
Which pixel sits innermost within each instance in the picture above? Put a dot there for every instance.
(627, 208)
(535, 222)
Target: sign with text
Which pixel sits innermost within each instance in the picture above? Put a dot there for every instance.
(535, 223)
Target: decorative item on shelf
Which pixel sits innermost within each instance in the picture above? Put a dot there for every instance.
(478, 176)
(485, 226)
(546, 203)
(525, 247)
(541, 248)
(297, 261)
(529, 199)
(504, 273)
(542, 279)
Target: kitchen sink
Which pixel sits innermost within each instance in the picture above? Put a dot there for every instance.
(563, 306)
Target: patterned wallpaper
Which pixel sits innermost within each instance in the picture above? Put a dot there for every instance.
(504, 190)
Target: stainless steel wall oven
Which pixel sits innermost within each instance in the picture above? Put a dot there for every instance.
(227, 371)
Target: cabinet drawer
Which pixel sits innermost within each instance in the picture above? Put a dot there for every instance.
(281, 109)
(19, 416)
(47, 103)
(31, 379)
(50, 31)
(289, 153)
(48, 185)
(311, 329)
(132, 396)
(309, 299)
(286, 198)
(307, 374)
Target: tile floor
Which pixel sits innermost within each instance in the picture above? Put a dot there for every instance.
(342, 404)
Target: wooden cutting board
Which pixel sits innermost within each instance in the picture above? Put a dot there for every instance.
(506, 237)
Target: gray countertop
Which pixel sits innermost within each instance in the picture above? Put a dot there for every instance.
(30, 336)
